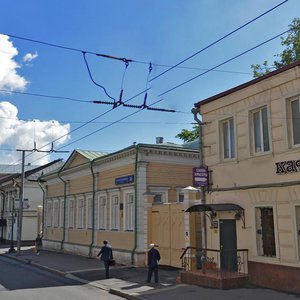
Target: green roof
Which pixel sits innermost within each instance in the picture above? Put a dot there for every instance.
(90, 155)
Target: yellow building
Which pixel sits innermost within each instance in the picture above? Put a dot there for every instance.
(131, 198)
(251, 138)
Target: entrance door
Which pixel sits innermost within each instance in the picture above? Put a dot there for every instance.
(228, 245)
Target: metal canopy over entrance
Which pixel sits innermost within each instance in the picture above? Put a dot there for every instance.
(214, 208)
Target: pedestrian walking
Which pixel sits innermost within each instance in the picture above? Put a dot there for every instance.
(38, 244)
(106, 255)
(153, 259)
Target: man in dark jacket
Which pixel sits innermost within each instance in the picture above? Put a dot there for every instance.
(153, 259)
(106, 256)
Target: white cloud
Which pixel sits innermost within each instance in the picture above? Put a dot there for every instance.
(20, 134)
(30, 56)
(9, 78)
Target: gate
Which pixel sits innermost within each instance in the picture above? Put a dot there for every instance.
(166, 229)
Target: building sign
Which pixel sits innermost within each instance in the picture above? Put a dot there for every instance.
(200, 176)
(124, 179)
(289, 166)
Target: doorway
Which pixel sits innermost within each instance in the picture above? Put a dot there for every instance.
(228, 245)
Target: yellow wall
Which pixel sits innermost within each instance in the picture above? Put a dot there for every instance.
(117, 239)
(55, 190)
(82, 184)
(106, 179)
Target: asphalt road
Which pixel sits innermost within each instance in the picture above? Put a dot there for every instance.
(20, 281)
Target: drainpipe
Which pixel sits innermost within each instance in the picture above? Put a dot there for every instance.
(201, 161)
(43, 211)
(93, 209)
(135, 202)
(65, 206)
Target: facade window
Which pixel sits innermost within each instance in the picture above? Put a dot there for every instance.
(62, 212)
(80, 213)
(129, 211)
(228, 139)
(260, 127)
(161, 194)
(102, 212)
(265, 234)
(114, 212)
(90, 213)
(71, 213)
(295, 121)
(49, 214)
(56, 214)
(180, 197)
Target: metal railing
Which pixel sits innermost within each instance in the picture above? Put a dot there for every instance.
(222, 263)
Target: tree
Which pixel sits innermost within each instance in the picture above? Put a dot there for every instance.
(189, 135)
(290, 54)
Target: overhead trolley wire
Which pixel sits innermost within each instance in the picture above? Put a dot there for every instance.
(47, 96)
(217, 41)
(114, 57)
(223, 63)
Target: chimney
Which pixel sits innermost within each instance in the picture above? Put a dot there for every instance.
(159, 140)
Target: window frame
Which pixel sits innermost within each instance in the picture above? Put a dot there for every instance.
(80, 212)
(129, 206)
(114, 220)
(229, 122)
(71, 213)
(290, 122)
(56, 213)
(260, 251)
(262, 133)
(89, 212)
(49, 213)
(102, 211)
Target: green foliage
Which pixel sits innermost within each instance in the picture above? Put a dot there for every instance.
(289, 55)
(189, 135)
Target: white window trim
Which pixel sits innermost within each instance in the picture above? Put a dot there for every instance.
(71, 217)
(99, 226)
(221, 134)
(80, 202)
(179, 191)
(61, 209)
(89, 212)
(49, 213)
(56, 213)
(290, 131)
(252, 132)
(112, 197)
(164, 191)
(126, 224)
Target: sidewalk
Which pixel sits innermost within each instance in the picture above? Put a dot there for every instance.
(129, 282)
(126, 281)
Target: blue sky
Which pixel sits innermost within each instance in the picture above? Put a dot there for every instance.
(163, 32)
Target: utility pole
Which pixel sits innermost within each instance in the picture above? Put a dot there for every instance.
(20, 215)
(21, 200)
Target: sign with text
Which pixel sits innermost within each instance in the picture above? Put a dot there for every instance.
(124, 179)
(289, 166)
(200, 176)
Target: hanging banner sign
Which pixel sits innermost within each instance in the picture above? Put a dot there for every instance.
(200, 176)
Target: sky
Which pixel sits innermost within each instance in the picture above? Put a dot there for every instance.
(47, 88)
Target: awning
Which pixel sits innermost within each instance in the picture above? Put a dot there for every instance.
(215, 207)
